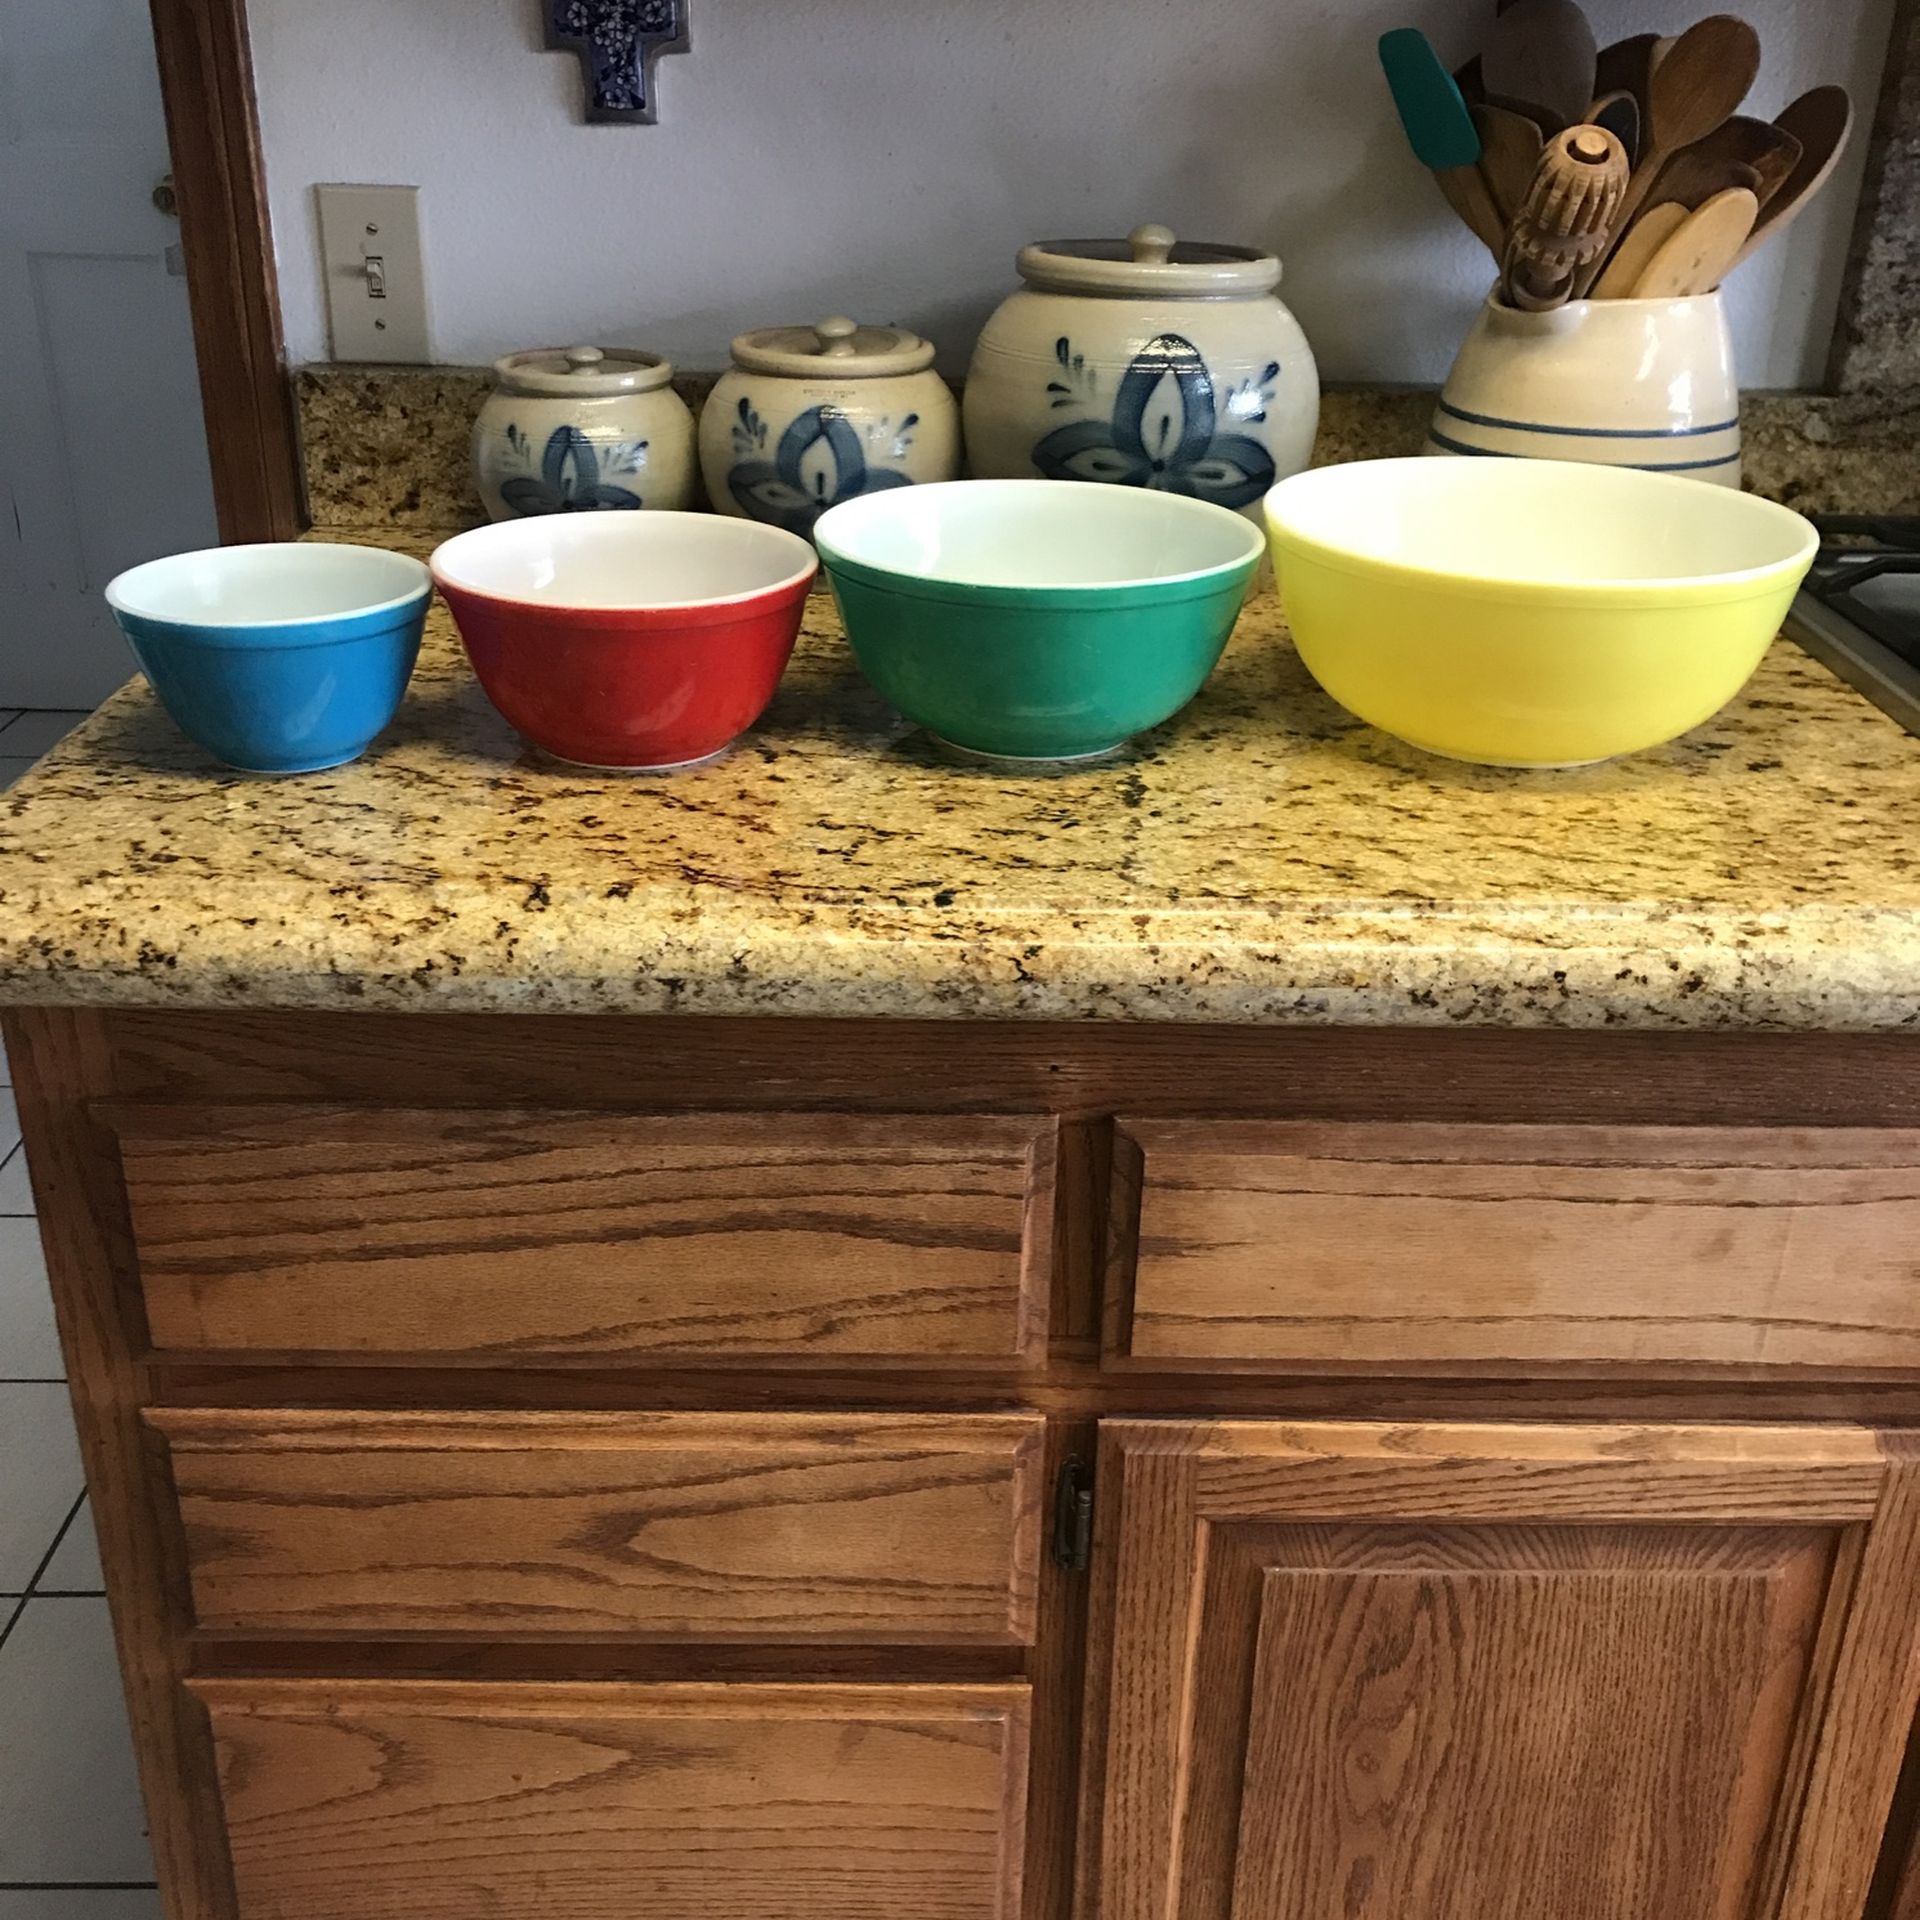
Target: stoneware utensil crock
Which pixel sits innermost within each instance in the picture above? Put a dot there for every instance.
(1144, 362)
(277, 658)
(1621, 383)
(581, 430)
(807, 417)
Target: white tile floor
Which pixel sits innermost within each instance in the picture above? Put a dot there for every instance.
(73, 1841)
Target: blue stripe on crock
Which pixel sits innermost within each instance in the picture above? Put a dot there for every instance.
(1585, 433)
(1639, 466)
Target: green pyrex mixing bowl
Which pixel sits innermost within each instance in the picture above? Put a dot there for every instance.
(1037, 619)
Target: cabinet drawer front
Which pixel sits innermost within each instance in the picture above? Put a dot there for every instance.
(922, 1529)
(440, 1801)
(507, 1234)
(1428, 1246)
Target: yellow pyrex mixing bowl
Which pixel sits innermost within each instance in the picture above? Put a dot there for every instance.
(1530, 613)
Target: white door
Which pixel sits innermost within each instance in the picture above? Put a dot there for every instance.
(103, 455)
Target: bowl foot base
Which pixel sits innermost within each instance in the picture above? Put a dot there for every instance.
(645, 766)
(1026, 763)
(301, 766)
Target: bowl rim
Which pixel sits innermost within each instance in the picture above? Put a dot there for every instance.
(1730, 584)
(650, 520)
(115, 591)
(1169, 586)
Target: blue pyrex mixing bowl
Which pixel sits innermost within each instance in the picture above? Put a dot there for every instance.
(276, 658)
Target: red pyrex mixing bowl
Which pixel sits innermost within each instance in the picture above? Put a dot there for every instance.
(629, 640)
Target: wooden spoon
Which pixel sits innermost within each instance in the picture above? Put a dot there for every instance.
(1542, 50)
(1644, 239)
(1624, 67)
(1702, 248)
(1821, 121)
(1509, 154)
(1440, 130)
(1691, 89)
(1740, 152)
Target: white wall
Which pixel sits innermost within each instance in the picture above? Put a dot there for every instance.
(887, 157)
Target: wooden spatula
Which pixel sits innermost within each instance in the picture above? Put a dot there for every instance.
(1542, 51)
(1820, 121)
(1699, 81)
(1740, 152)
(1644, 239)
(1509, 153)
(1701, 250)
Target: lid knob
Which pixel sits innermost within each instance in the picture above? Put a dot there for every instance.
(836, 336)
(583, 359)
(1151, 244)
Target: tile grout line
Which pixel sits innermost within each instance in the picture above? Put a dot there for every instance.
(46, 1560)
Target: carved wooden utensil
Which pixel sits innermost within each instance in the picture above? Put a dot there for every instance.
(1740, 152)
(1624, 67)
(1645, 238)
(1820, 121)
(1702, 248)
(1509, 153)
(1566, 216)
(1542, 51)
(1696, 84)
(1619, 113)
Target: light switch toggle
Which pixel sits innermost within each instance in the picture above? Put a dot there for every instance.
(376, 276)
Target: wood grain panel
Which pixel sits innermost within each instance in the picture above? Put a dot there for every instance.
(921, 1529)
(1283, 1244)
(510, 1234)
(443, 1801)
(1481, 1673)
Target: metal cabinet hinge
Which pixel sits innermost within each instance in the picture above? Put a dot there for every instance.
(1073, 1517)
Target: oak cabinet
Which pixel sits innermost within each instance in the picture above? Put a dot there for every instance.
(446, 1801)
(1491, 1672)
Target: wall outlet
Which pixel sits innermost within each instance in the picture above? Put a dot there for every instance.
(376, 273)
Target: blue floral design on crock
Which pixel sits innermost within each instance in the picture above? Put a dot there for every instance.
(818, 463)
(1162, 434)
(570, 471)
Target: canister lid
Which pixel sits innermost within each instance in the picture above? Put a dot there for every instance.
(832, 349)
(588, 373)
(1149, 260)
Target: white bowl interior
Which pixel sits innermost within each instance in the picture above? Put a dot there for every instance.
(623, 560)
(1037, 533)
(267, 585)
(1542, 522)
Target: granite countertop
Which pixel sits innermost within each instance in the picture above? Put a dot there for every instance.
(1262, 858)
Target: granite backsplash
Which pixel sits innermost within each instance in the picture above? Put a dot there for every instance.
(387, 446)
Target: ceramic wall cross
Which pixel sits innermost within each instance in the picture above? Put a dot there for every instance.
(618, 42)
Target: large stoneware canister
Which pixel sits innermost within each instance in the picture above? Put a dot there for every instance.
(807, 417)
(581, 430)
(1625, 383)
(1148, 362)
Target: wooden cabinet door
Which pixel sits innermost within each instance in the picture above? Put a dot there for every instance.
(1497, 1672)
(432, 1800)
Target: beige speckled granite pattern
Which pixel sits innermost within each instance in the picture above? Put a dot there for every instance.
(387, 446)
(1263, 858)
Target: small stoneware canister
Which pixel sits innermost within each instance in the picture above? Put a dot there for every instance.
(1147, 362)
(581, 429)
(1621, 383)
(807, 417)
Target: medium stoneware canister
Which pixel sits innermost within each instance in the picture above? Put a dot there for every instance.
(807, 417)
(1147, 362)
(581, 429)
(1620, 383)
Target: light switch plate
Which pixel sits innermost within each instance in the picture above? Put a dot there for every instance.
(376, 273)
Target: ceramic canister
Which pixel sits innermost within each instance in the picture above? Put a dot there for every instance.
(807, 417)
(1623, 383)
(579, 429)
(1147, 362)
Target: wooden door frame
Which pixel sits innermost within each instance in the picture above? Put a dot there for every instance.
(253, 445)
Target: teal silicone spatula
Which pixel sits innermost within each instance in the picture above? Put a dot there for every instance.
(1440, 129)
